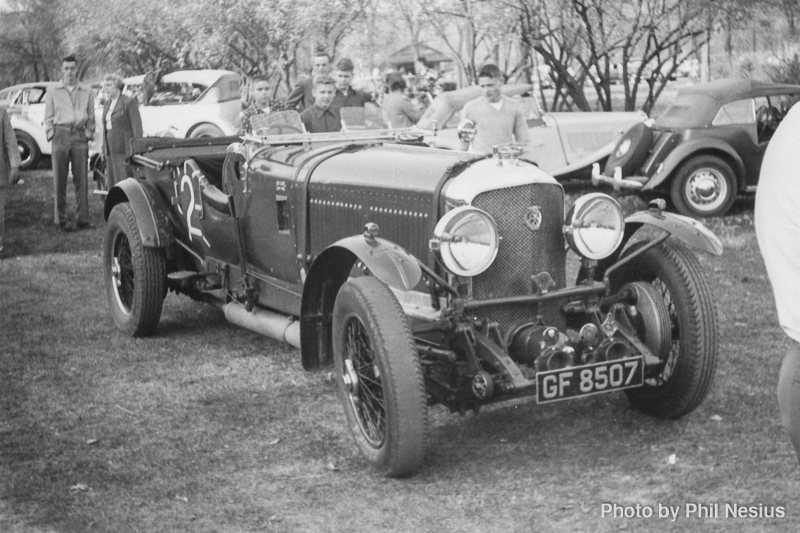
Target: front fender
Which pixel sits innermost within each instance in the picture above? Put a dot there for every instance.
(686, 150)
(385, 260)
(685, 229)
(148, 206)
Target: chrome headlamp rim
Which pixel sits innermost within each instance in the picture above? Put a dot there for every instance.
(574, 226)
(444, 238)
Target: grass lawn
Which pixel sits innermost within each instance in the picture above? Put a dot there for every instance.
(209, 428)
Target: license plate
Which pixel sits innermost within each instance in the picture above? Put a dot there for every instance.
(596, 378)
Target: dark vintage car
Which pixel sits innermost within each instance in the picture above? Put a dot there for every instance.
(421, 276)
(705, 148)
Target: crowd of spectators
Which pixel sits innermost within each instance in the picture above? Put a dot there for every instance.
(402, 95)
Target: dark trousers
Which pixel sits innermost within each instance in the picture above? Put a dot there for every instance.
(70, 147)
(789, 394)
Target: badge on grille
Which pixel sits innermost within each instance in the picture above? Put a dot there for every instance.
(533, 217)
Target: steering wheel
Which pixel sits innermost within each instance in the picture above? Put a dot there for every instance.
(767, 118)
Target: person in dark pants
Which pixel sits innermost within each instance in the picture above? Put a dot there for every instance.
(121, 123)
(9, 165)
(69, 125)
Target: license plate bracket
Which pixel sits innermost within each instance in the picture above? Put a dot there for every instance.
(588, 380)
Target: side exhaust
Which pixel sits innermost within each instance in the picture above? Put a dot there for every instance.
(273, 325)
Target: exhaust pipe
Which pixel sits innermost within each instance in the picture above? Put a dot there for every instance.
(273, 325)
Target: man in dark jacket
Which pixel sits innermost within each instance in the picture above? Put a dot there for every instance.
(302, 97)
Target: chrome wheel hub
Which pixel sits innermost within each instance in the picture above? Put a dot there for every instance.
(115, 272)
(350, 378)
(706, 189)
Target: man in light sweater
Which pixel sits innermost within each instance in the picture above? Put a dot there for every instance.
(495, 119)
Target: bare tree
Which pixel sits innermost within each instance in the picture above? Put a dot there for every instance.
(30, 41)
(585, 41)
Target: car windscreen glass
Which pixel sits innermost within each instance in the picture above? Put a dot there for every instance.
(685, 111)
(177, 93)
(31, 95)
(363, 118)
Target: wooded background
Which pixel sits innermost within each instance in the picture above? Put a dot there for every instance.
(578, 46)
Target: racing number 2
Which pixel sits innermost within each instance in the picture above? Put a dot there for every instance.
(600, 377)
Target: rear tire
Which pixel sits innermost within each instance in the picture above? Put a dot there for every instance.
(206, 130)
(379, 377)
(690, 360)
(29, 152)
(135, 276)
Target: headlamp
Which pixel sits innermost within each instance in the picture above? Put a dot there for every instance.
(466, 241)
(594, 226)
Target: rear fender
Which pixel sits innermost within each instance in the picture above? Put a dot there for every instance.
(686, 150)
(385, 260)
(151, 211)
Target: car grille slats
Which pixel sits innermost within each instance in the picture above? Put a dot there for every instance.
(523, 252)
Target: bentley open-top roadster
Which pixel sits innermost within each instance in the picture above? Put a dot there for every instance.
(421, 276)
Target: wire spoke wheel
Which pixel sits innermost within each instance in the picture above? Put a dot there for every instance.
(135, 275)
(123, 280)
(366, 394)
(379, 377)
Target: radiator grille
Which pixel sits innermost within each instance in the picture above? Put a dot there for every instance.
(522, 252)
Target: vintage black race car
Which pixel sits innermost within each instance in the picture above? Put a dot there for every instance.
(423, 276)
(705, 148)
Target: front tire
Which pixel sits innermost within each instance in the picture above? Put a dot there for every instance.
(29, 152)
(379, 377)
(135, 276)
(690, 359)
(704, 186)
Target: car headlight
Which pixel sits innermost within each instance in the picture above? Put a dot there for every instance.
(466, 240)
(594, 226)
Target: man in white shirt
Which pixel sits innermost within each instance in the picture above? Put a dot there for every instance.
(777, 220)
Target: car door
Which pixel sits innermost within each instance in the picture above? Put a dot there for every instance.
(735, 124)
(262, 202)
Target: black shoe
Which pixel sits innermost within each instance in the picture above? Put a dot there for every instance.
(85, 225)
(63, 226)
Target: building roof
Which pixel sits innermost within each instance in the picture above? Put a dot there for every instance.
(407, 55)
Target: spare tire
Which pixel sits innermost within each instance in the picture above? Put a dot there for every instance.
(630, 150)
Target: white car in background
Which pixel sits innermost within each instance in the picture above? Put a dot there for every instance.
(563, 144)
(25, 106)
(190, 103)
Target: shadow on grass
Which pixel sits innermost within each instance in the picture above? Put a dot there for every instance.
(29, 226)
